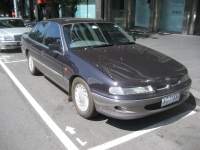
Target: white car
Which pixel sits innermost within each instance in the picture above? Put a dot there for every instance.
(11, 30)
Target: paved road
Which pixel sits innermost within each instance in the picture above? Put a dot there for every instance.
(21, 126)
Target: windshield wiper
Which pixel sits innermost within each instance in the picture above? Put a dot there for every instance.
(126, 43)
(103, 45)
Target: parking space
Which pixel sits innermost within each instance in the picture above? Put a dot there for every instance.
(177, 128)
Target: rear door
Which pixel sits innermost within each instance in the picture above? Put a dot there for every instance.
(53, 59)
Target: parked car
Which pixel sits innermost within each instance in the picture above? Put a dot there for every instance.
(103, 69)
(11, 30)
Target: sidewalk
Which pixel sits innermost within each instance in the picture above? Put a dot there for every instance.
(183, 48)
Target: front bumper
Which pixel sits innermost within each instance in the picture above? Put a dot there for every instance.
(10, 44)
(131, 109)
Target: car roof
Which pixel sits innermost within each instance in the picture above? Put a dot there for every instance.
(75, 20)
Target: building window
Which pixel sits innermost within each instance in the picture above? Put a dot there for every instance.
(119, 14)
(142, 13)
(172, 15)
(86, 9)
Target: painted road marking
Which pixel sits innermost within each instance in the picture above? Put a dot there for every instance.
(15, 61)
(70, 130)
(4, 58)
(82, 143)
(136, 134)
(51, 124)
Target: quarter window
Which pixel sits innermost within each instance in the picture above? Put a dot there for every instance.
(53, 34)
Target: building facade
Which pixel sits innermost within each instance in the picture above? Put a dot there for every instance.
(172, 16)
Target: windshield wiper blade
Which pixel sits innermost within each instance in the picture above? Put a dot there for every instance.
(103, 45)
(127, 43)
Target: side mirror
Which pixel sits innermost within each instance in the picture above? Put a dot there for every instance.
(55, 47)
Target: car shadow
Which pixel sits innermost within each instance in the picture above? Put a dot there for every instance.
(9, 51)
(152, 121)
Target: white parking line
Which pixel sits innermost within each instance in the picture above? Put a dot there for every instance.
(15, 61)
(136, 134)
(51, 124)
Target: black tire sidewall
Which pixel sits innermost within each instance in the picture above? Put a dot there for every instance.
(91, 111)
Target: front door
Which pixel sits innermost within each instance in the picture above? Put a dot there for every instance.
(53, 59)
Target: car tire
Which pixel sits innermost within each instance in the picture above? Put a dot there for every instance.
(82, 99)
(33, 70)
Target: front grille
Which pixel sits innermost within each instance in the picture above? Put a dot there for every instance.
(17, 37)
(168, 85)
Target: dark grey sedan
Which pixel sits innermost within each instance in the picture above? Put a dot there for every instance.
(103, 69)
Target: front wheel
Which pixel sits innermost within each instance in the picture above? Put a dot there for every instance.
(33, 70)
(82, 99)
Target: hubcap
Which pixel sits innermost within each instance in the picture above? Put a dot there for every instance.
(81, 97)
(30, 62)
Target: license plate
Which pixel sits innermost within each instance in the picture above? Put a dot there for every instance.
(170, 99)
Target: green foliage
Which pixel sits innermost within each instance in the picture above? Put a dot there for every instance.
(71, 5)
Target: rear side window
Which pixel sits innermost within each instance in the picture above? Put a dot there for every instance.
(53, 34)
(38, 33)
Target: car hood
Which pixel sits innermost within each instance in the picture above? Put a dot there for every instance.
(132, 63)
(14, 31)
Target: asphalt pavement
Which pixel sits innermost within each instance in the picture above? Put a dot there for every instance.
(183, 48)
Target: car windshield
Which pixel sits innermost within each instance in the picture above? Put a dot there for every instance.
(11, 23)
(84, 35)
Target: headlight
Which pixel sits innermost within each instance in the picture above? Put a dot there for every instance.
(8, 38)
(185, 78)
(132, 90)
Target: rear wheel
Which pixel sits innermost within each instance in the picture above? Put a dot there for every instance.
(82, 99)
(33, 70)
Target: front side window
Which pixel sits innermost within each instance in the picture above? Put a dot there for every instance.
(40, 32)
(83, 35)
(11, 23)
(53, 34)
(33, 32)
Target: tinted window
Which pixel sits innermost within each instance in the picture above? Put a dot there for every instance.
(33, 32)
(53, 34)
(40, 32)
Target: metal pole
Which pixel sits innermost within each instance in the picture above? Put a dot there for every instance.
(15, 8)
